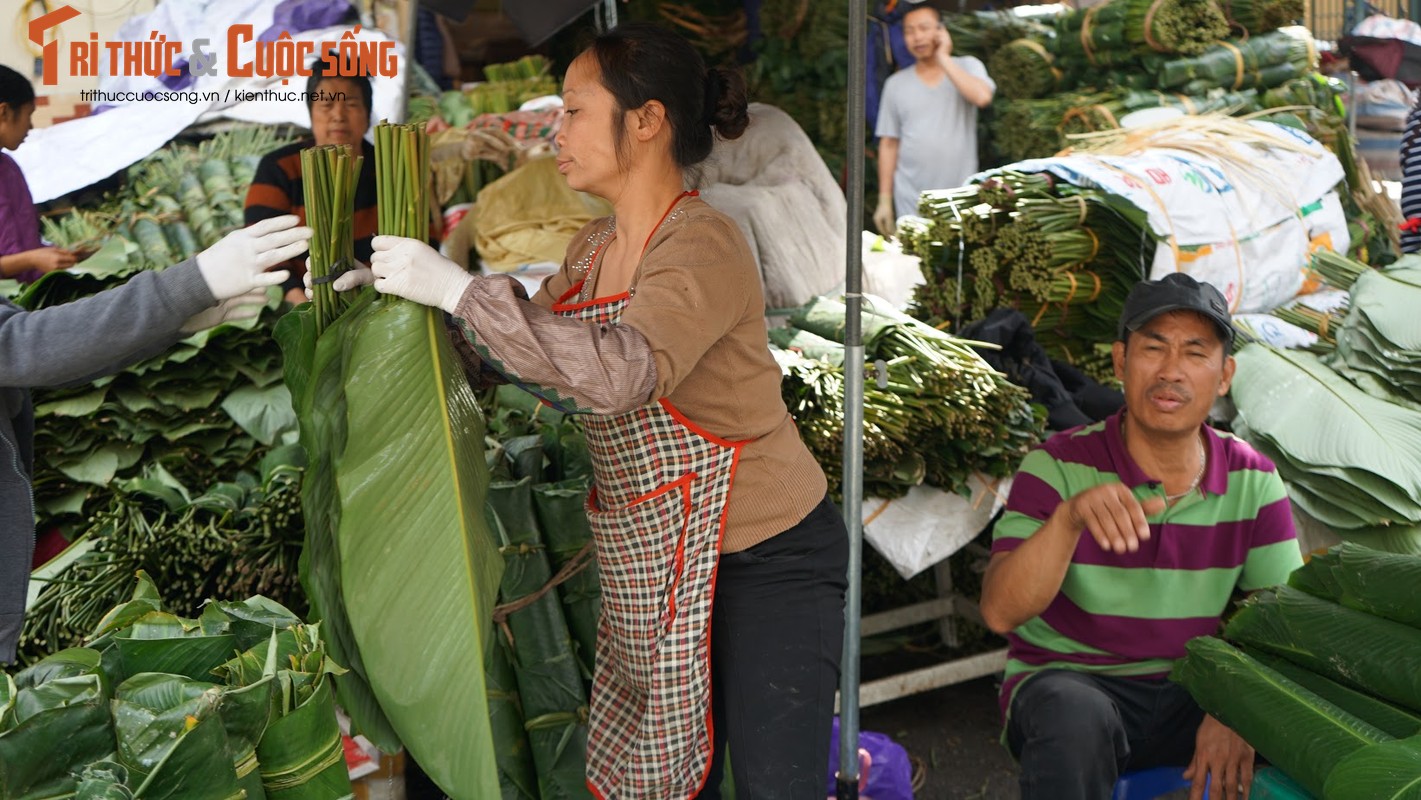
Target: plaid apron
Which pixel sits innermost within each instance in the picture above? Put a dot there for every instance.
(657, 509)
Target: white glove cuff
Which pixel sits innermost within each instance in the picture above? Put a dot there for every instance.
(455, 292)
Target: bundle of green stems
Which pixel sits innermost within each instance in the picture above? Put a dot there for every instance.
(329, 175)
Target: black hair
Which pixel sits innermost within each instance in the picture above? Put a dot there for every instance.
(937, 12)
(322, 71)
(642, 61)
(15, 89)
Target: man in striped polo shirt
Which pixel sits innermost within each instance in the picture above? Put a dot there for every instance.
(1123, 540)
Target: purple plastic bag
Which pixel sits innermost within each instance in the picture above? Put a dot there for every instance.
(890, 774)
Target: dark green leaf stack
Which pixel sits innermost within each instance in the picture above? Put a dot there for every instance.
(1326, 684)
(540, 670)
(1259, 62)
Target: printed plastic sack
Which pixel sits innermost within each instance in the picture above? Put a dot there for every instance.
(885, 773)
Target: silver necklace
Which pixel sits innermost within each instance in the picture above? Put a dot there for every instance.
(1198, 476)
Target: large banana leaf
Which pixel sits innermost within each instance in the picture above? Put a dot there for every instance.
(1360, 471)
(419, 571)
(1369, 653)
(1390, 771)
(1296, 730)
(314, 373)
(1283, 396)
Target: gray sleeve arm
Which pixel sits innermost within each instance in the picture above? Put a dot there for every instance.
(97, 335)
(576, 366)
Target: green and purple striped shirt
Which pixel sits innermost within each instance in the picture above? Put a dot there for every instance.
(1130, 615)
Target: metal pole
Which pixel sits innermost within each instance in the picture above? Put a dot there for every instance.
(847, 785)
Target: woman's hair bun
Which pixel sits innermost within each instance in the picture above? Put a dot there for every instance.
(726, 102)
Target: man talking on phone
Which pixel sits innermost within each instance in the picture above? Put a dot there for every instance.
(927, 119)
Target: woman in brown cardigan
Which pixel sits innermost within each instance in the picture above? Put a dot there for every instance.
(723, 560)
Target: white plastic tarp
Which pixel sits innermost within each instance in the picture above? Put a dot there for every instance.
(1249, 241)
(925, 526)
(74, 154)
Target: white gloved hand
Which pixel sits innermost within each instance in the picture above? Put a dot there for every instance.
(238, 262)
(883, 216)
(243, 306)
(353, 278)
(413, 270)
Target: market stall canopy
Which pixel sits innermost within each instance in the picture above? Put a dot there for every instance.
(535, 21)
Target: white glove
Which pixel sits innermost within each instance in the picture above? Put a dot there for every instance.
(355, 277)
(413, 270)
(237, 264)
(243, 306)
(883, 216)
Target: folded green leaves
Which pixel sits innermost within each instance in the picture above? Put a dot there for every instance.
(1360, 473)
(1372, 654)
(260, 725)
(1295, 729)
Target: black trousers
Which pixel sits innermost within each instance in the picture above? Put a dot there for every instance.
(1073, 734)
(777, 637)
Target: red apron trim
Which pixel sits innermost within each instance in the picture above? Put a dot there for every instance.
(562, 304)
(680, 483)
(710, 621)
(698, 430)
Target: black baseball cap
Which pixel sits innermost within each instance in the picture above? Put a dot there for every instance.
(1176, 291)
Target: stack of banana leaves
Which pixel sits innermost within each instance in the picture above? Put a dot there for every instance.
(935, 412)
(1064, 256)
(1323, 676)
(539, 667)
(1114, 33)
(155, 705)
(174, 203)
(1379, 343)
(173, 465)
(1360, 473)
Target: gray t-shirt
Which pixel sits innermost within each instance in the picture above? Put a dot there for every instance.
(936, 129)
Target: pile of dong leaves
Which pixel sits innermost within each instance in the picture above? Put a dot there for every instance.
(174, 465)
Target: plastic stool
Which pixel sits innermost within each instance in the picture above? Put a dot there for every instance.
(1147, 784)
